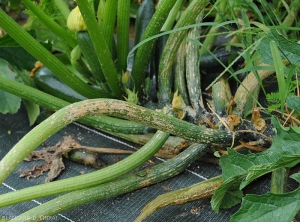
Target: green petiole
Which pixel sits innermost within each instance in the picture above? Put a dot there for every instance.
(123, 20)
(102, 51)
(108, 22)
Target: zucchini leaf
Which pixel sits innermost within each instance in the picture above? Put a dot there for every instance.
(242, 169)
(269, 207)
(9, 103)
(289, 50)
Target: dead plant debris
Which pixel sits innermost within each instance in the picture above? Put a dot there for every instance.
(52, 156)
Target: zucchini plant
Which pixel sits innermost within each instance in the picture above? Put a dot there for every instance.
(176, 80)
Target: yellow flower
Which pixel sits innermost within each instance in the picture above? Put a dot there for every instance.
(75, 21)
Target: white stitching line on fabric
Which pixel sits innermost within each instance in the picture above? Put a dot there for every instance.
(128, 145)
(35, 201)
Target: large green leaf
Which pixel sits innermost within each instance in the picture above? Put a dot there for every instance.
(243, 169)
(9, 103)
(269, 207)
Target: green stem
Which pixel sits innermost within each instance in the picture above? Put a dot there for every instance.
(171, 49)
(102, 50)
(100, 11)
(26, 145)
(123, 33)
(105, 123)
(44, 56)
(142, 55)
(198, 191)
(108, 23)
(50, 23)
(150, 176)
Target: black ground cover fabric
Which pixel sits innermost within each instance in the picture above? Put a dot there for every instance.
(123, 208)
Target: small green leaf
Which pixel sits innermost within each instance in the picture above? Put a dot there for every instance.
(293, 102)
(33, 111)
(9, 103)
(296, 176)
(223, 195)
(269, 207)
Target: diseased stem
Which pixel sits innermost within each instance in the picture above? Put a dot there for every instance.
(249, 85)
(193, 77)
(170, 51)
(220, 97)
(179, 69)
(150, 176)
(172, 146)
(198, 191)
